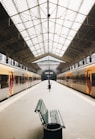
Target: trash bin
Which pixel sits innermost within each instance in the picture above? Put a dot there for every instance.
(52, 131)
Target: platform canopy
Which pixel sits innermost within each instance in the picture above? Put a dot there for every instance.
(49, 27)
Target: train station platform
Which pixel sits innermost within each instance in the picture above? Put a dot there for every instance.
(19, 121)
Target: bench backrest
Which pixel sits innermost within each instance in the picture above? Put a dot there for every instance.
(41, 108)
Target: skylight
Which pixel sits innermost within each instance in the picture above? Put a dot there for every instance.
(48, 26)
(48, 59)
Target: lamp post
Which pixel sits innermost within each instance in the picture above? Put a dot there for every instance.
(49, 85)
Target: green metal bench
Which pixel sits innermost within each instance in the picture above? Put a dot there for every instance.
(48, 117)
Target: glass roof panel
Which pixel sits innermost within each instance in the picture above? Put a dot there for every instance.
(86, 6)
(74, 5)
(19, 4)
(9, 6)
(48, 25)
(32, 3)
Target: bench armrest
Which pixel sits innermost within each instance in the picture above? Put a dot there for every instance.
(61, 120)
(54, 116)
(39, 105)
(42, 110)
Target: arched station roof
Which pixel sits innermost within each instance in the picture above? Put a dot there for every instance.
(31, 30)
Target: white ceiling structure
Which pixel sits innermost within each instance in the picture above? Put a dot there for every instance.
(48, 26)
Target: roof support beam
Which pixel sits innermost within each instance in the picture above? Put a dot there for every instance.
(48, 54)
